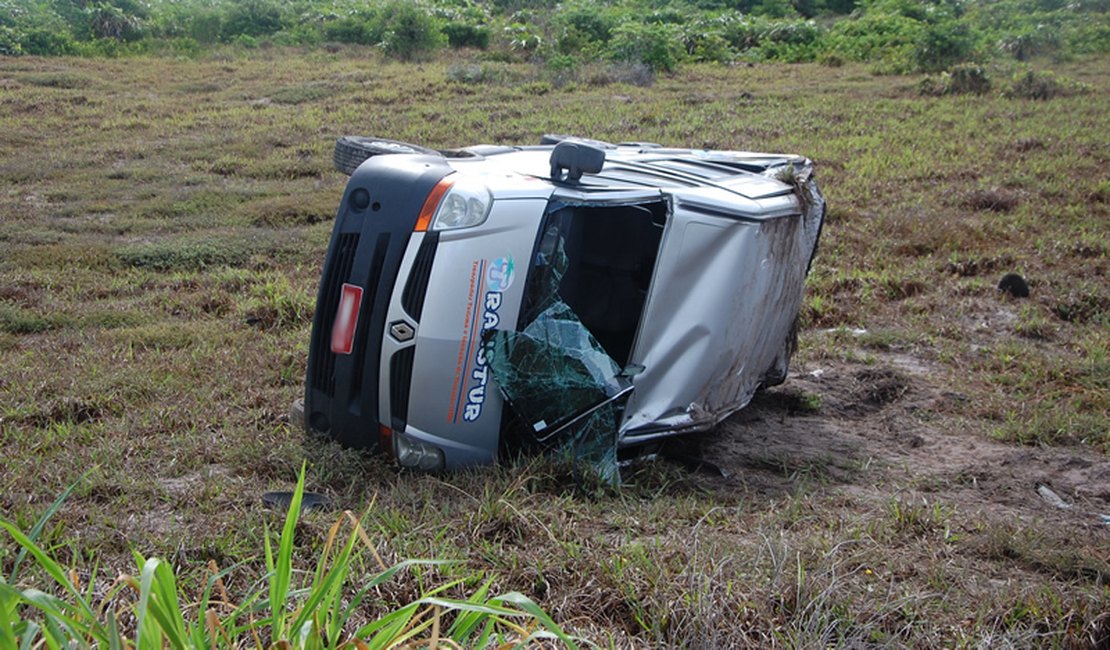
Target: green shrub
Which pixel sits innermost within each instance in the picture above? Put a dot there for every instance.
(589, 22)
(252, 18)
(409, 31)
(523, 37)
(895, 36)
(245, 41)
(874, 36)
(656, 45)
(302, 34)
(466, 35)
(742, 32)
(966, 78)
(841, 7)
(710, 47)
(1031, 84)
(795, 32)
(121, 23)
(351, 29)
(182, 46)
(775, 9)
(1089, 37)
(464, 25)
(562, 63)
(1030, 42)
(942, 45)
(205, 25)
(42, 42)
(9, 42)
(746, 32)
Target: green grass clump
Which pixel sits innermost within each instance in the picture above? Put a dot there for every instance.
(169, 335)
(1042, 85)
(113, 318)
(299, 94)
(64, 80)
(187, 254)
(275, 303)
(292, 210)
(17, 320)
(298, 611)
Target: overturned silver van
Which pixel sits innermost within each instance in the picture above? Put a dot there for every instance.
(575, 294)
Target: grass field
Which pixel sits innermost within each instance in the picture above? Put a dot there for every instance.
(162, 229)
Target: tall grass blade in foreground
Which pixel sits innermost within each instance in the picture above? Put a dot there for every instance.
(313, 616)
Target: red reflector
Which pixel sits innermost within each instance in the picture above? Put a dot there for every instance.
(385, 439)
(346, 318)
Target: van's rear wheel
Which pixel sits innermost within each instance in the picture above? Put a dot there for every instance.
(352, 150)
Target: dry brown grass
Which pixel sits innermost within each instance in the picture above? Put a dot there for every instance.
(164, 223)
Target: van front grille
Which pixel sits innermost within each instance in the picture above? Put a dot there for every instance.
(400, 384)
(412, 299)
(373, 280)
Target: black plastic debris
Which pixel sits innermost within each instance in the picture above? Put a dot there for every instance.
(309, 501)
(1015, 285)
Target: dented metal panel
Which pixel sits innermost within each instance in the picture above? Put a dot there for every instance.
(726, 294)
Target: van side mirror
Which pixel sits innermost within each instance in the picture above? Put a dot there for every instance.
(570, 159)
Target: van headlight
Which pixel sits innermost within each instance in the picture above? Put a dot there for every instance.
(465, 204)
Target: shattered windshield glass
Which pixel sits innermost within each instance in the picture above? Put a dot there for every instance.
(555, 374)
(560, 381)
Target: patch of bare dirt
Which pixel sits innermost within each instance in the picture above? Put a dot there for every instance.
(879, 428)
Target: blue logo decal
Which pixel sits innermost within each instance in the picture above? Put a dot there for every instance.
(498, 279)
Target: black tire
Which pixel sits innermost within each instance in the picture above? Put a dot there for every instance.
(776, 374)
(352, 150)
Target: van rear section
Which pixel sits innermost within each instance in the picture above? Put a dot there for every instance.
(376, 218)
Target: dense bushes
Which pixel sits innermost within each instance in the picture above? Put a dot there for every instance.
(892, 36)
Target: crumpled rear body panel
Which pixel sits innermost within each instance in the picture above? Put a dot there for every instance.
(719, 318)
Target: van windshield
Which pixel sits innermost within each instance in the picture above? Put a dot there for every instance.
(598, 260)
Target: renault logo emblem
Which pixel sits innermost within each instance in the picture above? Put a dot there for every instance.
(401, 331)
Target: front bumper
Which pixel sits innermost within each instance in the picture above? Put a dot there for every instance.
(372, 229)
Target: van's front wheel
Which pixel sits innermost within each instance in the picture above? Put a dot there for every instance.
(352, 150)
